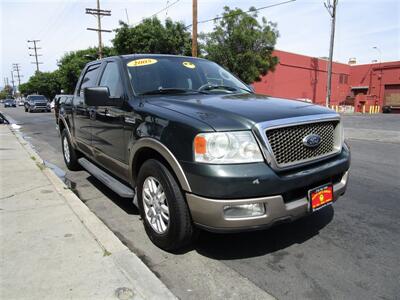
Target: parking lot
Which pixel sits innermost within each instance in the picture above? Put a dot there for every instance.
(349, 250)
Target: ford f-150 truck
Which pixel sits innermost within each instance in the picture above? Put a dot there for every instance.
(194, 147)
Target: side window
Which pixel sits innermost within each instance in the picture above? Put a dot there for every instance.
(89, 80)
(111, 79)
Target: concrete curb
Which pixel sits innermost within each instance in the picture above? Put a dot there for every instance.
(145, 283)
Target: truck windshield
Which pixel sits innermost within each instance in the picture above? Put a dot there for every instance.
(37, 98)
(180, 75)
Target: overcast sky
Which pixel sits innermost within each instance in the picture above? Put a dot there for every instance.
(304, 27)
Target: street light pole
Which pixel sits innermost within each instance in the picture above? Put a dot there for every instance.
(380, 68)
(332, 12)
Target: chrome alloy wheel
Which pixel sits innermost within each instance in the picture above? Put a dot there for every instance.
(155, 205)
(66, 149)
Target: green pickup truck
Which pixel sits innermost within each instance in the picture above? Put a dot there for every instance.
(195, 148)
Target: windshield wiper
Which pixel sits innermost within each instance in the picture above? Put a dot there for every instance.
(223, 87)
(170, 91)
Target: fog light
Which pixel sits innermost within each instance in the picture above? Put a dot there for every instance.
(244, 210)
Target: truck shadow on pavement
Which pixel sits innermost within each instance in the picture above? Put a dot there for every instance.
(258, 243)
(230, 246)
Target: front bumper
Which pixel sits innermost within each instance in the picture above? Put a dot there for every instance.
(209, 213)
(39, 108)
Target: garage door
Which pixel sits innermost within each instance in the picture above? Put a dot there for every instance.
(392, 95)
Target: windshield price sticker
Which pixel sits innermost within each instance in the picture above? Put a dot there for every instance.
(142, 62)
(189, 65)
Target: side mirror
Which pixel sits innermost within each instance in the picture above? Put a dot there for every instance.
(100, 96)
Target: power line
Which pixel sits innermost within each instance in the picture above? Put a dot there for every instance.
(160, 11)
(35, 48)
(99, 13)
(127, 16)
(248, 11)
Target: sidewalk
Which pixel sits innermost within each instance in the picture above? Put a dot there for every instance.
(52, 246)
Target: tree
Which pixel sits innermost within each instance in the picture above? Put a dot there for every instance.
(42, 83)
(151, 36)
(6, 92)
(72, 63)
(241, 44)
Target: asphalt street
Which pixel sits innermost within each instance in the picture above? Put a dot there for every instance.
(348, 251)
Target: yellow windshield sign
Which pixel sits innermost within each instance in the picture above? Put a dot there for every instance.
(189, 65)
(141, 62)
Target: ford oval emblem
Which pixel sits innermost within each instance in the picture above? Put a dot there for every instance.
(312, 140)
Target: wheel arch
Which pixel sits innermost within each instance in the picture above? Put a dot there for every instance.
(64, 124)
(147, 148)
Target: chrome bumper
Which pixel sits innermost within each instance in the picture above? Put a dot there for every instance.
(209, 213)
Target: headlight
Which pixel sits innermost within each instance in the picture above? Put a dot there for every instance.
(226, 148)
(339, 136)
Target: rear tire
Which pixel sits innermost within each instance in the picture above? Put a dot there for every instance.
(69, 153)
(26, 110)
(179, 230)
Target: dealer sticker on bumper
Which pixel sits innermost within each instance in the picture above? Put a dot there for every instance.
(321, 197)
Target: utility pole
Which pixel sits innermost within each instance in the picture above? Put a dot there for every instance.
(12, 82)
(99, 13)
(380, 76)
(194, 34)
(17, 69)
(331, 8)
(35, 49)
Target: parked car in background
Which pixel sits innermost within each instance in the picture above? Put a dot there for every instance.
(60, 100)
(20, 102)
(9, 103)
(194, 147)
(36, 103)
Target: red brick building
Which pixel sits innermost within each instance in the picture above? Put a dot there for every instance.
(303, 77)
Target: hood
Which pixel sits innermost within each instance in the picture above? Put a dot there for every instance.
(236, 112)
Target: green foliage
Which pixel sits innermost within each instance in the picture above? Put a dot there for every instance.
(42, 83)
(241, 44)
(65, 77)
(6, 92)
(151, 36)
(72, 63)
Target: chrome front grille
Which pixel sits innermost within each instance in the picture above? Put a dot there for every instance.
(288, 149)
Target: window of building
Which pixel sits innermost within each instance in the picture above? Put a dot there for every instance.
(343, 78)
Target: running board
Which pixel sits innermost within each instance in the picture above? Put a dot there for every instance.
(118, 187)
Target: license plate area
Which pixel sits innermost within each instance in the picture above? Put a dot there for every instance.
(320, 197)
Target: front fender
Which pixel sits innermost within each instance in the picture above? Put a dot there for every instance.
(66, 126)
(162, 150)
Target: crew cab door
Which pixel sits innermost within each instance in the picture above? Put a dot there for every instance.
(108, 125)
(82, 113)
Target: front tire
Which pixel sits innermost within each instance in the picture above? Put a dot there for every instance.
(69, 153)
(162, 206)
